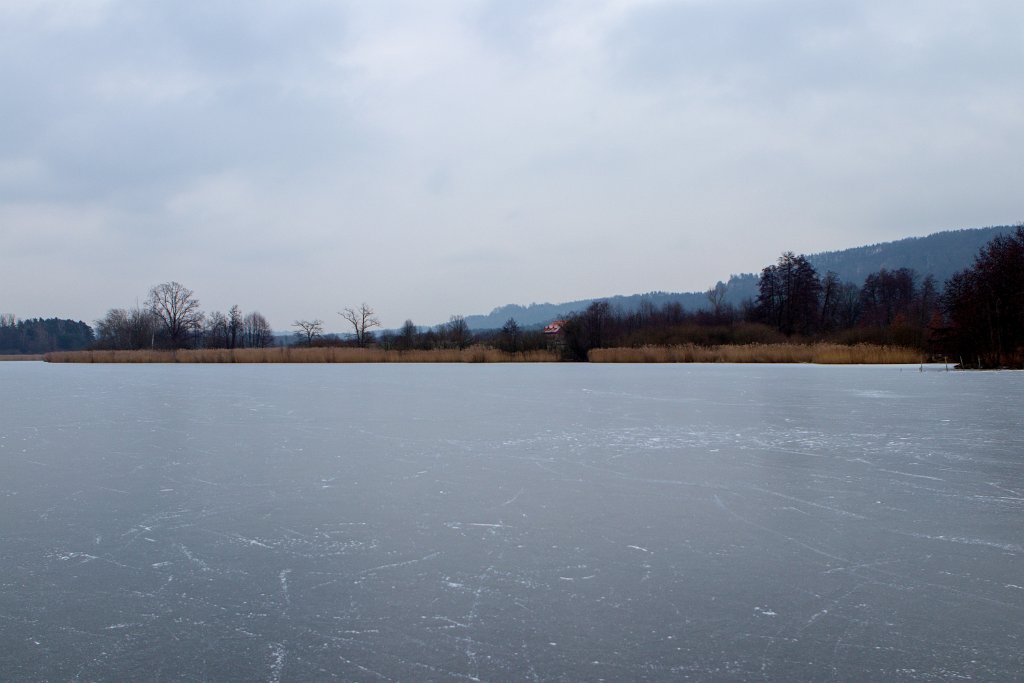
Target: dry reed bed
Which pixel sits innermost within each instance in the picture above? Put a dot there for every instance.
(20, 357)
(829, 354)
(303, 355)
(825, 354)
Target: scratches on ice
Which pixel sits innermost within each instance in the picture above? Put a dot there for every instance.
(241, 539)
(908, 474)
(1008, 547)
(450, 623)
(838, 511)
(395, 565)
(84, 557)
(107, 488)
(362, 668)
(283, 576)
(862, 565)
(1007, 490)
(817, 551)
(193, 559)
(513, 498)
(814, 617)
(471, 619)
(832, 604)
(278, 653)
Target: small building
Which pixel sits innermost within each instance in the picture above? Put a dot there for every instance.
(554, 333)
(554, 328)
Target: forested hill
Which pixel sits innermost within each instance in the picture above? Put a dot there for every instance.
(42, 336)
(539, 314)
(940, 254)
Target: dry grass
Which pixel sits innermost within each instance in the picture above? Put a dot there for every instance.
(866, 354)
(26, 356)
(825, 354)
(304, 355)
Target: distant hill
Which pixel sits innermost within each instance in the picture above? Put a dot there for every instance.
(940, 254)
(540, 314)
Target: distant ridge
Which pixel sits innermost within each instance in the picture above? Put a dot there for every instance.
(940, 254)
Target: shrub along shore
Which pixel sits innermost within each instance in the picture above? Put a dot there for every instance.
(821, 353)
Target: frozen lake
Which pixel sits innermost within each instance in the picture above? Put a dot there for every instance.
(510, 522)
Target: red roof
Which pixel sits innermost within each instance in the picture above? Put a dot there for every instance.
(555, 327)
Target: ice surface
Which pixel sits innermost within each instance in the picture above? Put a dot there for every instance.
(500, 522)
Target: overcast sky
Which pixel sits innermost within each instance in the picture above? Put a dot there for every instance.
(441, 157)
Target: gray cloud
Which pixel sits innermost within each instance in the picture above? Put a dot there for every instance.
(437, 158)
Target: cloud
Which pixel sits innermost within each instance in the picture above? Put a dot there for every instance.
(452, 156)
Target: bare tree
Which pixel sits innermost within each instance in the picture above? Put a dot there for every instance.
(177, 309)
(830, 289)
(256, 331)
(716, 297)
(310, 329)
(234, 326)
(112, 330)
(216, 332)
(457, 331)
(407, 335)
(511, 335)
(362, 321)
(126, 329)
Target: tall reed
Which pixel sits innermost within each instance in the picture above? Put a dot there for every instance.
(823, 353)
(304, 355)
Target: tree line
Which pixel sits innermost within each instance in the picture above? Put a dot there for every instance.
(977, 318)
(171, 318)
(985, 305)
(39, 335)
(794, 303)
(455, 334)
